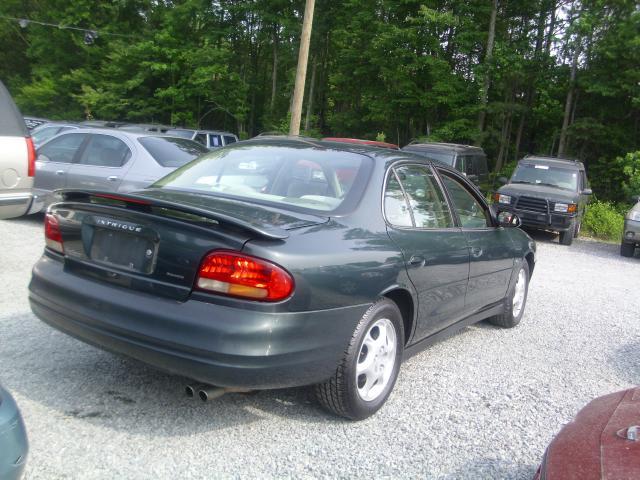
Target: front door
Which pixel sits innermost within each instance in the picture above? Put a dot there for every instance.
(434, 249)
(491, 255)
(53, 163)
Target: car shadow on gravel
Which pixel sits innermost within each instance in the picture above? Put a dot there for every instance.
(35, 219)
(77, 381)
(625, 361)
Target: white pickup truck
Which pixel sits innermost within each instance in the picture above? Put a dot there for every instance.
(17, 160)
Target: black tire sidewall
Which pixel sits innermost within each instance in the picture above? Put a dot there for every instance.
(359, 408)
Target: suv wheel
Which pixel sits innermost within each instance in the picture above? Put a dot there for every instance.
(369, 369)
(627, 249)
(515, 301)
(576, 233)
(566, 237)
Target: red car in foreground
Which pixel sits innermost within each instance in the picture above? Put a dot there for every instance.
(371, 143)
(602, 442)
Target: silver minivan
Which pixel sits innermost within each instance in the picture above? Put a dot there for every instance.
(107, 160)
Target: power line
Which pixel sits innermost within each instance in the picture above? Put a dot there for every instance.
(90, 35)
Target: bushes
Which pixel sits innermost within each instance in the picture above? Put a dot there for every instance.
(604, 220)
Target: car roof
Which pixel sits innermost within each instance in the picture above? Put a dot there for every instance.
(441, 146)
(564, 162)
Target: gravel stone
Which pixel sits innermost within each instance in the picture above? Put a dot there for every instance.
(481, 404)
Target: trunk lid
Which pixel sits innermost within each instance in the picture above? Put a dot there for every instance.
(155, 242)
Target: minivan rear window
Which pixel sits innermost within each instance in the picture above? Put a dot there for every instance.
(172, 152)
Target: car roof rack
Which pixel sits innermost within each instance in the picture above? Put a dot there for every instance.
(530, 156)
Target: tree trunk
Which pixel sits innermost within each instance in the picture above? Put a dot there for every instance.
(487, 60)
(301, 71)
(307, 120)
(562, 143)
(274, 73)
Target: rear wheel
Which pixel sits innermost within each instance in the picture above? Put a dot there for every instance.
(369, 369)
(627, 249)
(566, 238)
(515, 301)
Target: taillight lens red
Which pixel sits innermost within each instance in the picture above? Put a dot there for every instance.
(31, 151)
(52, 235)
(239, 275)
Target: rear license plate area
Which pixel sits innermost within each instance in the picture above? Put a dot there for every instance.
(132, 252)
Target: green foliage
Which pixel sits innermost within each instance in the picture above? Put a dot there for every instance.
(604, 220)
(381, 137)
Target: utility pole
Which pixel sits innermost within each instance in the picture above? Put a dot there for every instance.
(301, 72)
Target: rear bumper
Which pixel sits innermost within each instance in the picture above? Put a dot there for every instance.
(214, 344)
(13, 439)
(541, 221)
(15, 204)
(631, 232)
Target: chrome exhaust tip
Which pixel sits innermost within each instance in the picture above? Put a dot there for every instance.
(210, 393)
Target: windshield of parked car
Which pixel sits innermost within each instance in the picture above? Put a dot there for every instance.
(170, 151)
(548, 175)
(303, 177)
(43, 133)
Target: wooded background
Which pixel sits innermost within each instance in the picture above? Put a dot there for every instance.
(518, 76)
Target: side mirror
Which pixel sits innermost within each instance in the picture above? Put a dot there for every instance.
(508, 220)
(587, 191)
(503, 180)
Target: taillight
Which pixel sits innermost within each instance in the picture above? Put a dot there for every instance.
(239, 275)
(52, 235)
(31, 151)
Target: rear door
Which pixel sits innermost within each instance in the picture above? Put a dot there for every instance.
(53, 163)
(16, 179)
(435, 250)
(490, 248)
(101, 165)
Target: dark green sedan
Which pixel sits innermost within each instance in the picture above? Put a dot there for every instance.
(283, 262)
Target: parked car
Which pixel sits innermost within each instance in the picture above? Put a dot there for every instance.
(547, 193)
(631, 235)
(33, 122)
(102, 124)
(17, 159)
(258, 267)
(472, 161)
(49, 130)
(144, 127)
(371, 143)
(209, 138)
(14, 445)
(602, 442)
(107, 159)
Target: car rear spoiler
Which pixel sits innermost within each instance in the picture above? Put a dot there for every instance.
(143, 203)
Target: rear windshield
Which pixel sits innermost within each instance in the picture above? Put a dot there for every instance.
(172, 152)
(446, 158)
(307, 178)
(547, 175)
(175, 132)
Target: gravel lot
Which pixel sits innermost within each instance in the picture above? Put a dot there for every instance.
(482, 404)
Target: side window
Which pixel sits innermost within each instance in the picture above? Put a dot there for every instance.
(105, 151)
(426, 200)
(471, 212)
(583, 180)
(229, 139)
(63, 148)
(214, 140)
(396, 210)
(201, 138)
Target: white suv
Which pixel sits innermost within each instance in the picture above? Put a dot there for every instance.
(17, 160)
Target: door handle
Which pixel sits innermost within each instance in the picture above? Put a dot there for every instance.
(417, 261)
(112, 178)
(476, 252)
(59, 172)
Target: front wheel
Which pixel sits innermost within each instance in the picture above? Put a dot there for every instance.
(515, 301)
(370, 365)
(566, 238)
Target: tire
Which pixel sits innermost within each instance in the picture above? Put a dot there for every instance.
(576, 231)
(566, 238)
(510, 318)
(341, 394)
(627, 249)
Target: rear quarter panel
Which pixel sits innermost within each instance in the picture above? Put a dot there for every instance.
(14, 179)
